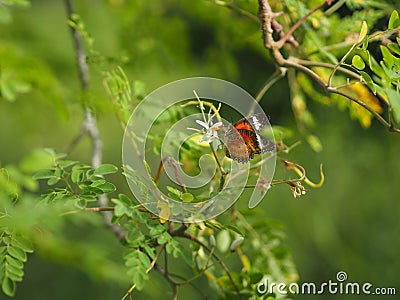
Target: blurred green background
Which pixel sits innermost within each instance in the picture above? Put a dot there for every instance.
(351, 224)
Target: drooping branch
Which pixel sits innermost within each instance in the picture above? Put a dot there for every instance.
(89, 125)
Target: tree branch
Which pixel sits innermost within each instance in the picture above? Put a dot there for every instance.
(89, 125)
(266, 18)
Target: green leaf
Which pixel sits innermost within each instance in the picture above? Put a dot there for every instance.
(388, 58)
(187, 197)
(393, 72)
(363, 32)
(106, 169)
(174, 191)
(125, 199)
(23, 243)
(98, 182)
(38, 159)
(394, 47)
(394, 100)
(14, 262)
(358, 62)
(63, 164)
(256, 277)
(43, 174)
(144, 259)
(149, 250)
(53, 181)
(77, 175)
(80, 167)
(135, 238)
(369, 81)
(394, 20)
(8, 286)
(234, 229)
(138, 263)
(15, 273)
(147, 166)
(17, 252)
(107, 187)
(139, 89)
(120, 208)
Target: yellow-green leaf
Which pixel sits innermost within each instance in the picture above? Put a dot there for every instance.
(363, 32)
(358, 62)
(394, 20)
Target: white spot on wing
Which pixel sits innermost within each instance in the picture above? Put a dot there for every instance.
(256, 123)
(260, 142)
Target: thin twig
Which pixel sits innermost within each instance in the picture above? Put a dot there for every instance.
(96, 209)
(216, 257)
(89, 125)
(289, 33)
(278, 74)
(325, 65)
(152, 264)
(237, 9)
(68, 148)
(172, 283)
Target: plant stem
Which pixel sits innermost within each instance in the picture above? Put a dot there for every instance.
(216, 257)
(89, 125)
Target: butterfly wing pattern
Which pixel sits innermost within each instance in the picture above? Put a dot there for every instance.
(243, 140)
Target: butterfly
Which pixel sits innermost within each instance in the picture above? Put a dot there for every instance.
(243, 139)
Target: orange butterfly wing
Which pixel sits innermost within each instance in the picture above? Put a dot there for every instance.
(244, 140)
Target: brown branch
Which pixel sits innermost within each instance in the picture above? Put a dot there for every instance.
(329, 89)
(89, 125)
(266, 18)
(97, 209)
(278, 28)
(325, 65)
(172, 283)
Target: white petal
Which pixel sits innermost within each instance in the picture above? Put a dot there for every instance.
(202, 124)
(217, 125)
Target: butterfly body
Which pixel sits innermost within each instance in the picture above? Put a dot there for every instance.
(244, 140)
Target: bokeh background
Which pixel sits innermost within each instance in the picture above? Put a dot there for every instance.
(351, 224)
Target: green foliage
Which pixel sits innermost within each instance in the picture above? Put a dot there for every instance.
(47, 194)
(18, 75)
(385, 75)
(13, 255)
(79, 183)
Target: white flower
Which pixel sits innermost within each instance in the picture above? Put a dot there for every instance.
(210, 133)
(298, 189)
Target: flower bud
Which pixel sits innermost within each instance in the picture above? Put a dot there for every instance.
(236, 243)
